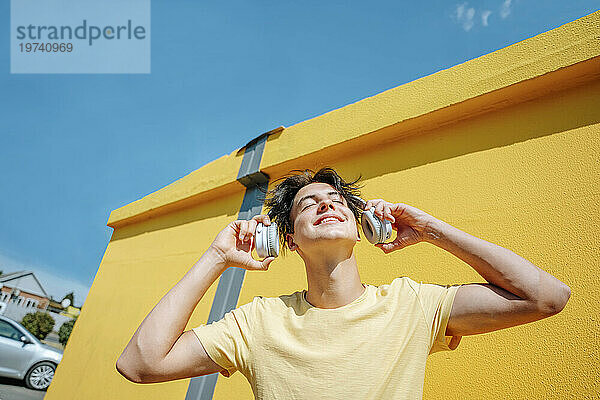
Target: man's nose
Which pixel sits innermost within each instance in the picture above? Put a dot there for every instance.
(325, 205)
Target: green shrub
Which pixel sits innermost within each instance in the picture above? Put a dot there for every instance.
(39, 324)
(65, 331)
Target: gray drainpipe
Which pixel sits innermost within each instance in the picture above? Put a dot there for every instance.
(230, 283)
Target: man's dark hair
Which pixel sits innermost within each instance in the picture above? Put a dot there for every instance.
(279, 200)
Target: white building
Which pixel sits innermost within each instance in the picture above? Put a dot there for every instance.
(20, 293)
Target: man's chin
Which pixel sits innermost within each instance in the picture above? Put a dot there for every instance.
(335, 237)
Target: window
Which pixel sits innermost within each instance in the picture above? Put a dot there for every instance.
(8, 331)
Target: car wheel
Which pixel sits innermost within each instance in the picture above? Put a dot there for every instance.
(40, 376)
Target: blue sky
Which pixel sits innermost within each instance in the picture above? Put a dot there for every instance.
(73, 147)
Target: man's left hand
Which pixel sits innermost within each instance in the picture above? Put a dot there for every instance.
(411, 224)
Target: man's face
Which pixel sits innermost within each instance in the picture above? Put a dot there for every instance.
(320, 214)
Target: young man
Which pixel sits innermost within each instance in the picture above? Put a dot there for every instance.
(340, 338)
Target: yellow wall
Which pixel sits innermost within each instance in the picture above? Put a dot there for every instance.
(524, 174)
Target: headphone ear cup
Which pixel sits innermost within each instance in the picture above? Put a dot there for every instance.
(371, 226)
(375, 230)
(273, 238)
(261, 248)
(267, 240)
(386, 231)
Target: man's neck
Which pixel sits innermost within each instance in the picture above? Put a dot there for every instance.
(333, 282)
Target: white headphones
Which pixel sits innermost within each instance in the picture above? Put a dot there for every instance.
(375, 230)
(267, 240)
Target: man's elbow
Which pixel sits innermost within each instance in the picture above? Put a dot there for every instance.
(558, 302)
(129, 373)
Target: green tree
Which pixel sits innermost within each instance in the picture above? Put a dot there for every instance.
(40, 324)
(65, 331)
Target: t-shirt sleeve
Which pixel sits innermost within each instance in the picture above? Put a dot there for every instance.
(436, 301)
(228, 340)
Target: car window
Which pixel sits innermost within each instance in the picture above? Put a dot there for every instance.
(8, 331)
(31, 335)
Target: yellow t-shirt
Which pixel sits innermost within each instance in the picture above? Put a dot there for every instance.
(376, 347)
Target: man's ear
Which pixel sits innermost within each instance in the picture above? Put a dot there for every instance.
(291, 244)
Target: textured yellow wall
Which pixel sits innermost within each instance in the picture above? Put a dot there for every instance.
(142, 262)
(526, 178)
(524, 175)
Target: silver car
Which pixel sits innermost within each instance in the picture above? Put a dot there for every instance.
(23, 356)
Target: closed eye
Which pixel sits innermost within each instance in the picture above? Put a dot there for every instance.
(308, 206)
(337, 199)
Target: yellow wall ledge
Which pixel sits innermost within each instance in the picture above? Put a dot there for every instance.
(514, 74)
(212, 180)
(480, 85)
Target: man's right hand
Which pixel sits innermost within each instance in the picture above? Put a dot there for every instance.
(235, 243)
(160, 350)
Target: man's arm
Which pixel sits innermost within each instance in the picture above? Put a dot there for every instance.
(518, 292)
(159, 350)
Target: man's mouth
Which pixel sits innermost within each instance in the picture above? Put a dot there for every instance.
(328, 220)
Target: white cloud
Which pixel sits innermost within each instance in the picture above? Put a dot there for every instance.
(54, 285)
(484, 17)
(460, 10)
(464, 16)
(505, 9)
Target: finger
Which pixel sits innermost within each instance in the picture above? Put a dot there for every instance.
(251, 230)
(267, 262)
(396, 244)
(243, 230)
(263, 218)
(387, 212)
(259, 265)
(373, 203)
(389, 247)
(398, 209)
(236, 227)
(383, 247)
(379, 209)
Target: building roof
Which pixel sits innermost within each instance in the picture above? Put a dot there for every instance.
(5, 278)
(12, 275)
